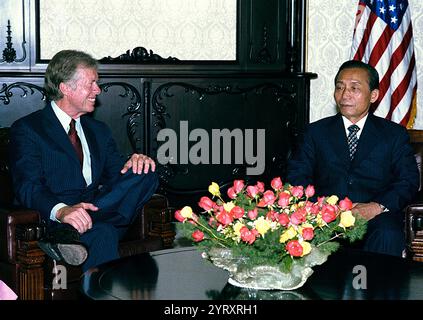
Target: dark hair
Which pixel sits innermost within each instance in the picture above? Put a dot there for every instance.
(62, 68)
(371, 72)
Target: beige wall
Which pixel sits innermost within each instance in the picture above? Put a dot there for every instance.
(330, 31)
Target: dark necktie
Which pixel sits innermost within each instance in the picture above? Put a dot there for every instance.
(76, 143)
(352, 139)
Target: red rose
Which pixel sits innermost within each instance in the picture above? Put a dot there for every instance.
(197, 235)
(283, 199)
(247, 235)
(276, 183)
(345, 204)
(272, 215)
(224, 217)
(297, 191)
(283, 219)
(206, 203)
(237, 212)
(308, 233)
(299, 216)
(294, 248)
(268, 199)
(328, 213)
(178, 216)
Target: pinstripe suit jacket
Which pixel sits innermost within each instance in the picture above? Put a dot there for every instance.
(383, 170)
(44, 166)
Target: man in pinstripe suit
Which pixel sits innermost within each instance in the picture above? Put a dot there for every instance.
(379, 175)
(96, 193)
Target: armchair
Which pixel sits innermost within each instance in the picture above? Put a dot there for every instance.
(29, 272)
(414, 212)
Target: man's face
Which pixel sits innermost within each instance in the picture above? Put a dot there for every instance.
(81, 91)
(352, 93)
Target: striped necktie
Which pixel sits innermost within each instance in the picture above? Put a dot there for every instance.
(352, 139)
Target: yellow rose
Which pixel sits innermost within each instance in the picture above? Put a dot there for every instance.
(228, 206)
(306, 248)
(288, 234)
(186, 212)
(237, 228)
(347, 219)
(332, 200)
(262, 225)
(214, 189)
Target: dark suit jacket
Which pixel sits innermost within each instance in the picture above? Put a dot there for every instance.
(384, 169)
(44, 165)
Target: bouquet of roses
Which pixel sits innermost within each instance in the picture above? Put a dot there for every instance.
(270, 227)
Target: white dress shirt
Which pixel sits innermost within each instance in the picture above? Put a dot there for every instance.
(65, 120)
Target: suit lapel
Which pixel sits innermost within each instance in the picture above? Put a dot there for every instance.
(56, 133)
(338, 139)
(368, 139)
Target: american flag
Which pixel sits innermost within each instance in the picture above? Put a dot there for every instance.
(383, 37)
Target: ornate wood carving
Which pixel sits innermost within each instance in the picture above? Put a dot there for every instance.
(134, 110)
(6, 91)
(138, 55)
(284, 94)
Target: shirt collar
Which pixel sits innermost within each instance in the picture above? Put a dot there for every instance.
(63, 117)
(360, 123)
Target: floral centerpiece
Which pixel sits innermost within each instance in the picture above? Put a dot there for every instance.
(269, 239)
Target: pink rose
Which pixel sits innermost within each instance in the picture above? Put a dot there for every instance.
(268, 199)
(224, 217)
(299, 216)
(345, 204)
(272, 215)
(247, 235)
(206, 203)
(283, 201)
(308, 233)
(252, 214)
(252, 191)
(276, 183)
(297, 191)
(294, 248)
(238, 185)
(283, 219)
(178, 216)
(315, 209)
(197, 235)
(328, 213)
(231, 193)
(260, 186)
(237, 212)
(309, 192)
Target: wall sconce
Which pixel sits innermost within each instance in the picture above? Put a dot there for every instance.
(9, 53)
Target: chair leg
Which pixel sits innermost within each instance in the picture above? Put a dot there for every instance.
(30, 271)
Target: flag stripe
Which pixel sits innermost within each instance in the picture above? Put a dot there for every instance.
(383, 37)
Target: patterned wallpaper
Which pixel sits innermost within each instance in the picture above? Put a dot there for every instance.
(330, 31)
(186, 29)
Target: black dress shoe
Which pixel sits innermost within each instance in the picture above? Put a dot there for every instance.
(62, 244)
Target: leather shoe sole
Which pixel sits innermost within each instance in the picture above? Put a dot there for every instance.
(73, 254)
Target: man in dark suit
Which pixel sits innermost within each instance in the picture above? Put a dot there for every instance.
(66, 165)
(379, 173)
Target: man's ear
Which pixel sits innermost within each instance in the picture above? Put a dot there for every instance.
(374, 95)
(64, 88)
